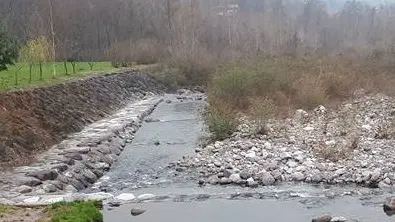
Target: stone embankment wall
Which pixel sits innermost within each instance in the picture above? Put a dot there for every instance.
(33, 120)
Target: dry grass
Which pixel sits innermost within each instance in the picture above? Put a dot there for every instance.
(221, 120)
(296, 82)
(194, 65)
(261, 110)
(141, 51)
(339, 151)
(299, 82)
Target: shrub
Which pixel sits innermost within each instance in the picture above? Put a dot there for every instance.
(232, 85)
(195, 66)
(310, 92)
(221, 122)
(143, 51)
(261, 110)
(147, 51)
(77, 211)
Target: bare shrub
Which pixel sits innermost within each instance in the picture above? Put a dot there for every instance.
(337, 152)
(128, 52)
(196, 66)
(261, 110)
(310, 92)
(147, 51)
(386, 130)
(233, 86)
(221, 120)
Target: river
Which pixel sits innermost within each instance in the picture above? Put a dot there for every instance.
(174, 130)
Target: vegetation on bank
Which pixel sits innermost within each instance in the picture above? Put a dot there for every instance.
(261, 87)
(23, 75)
(76, 211)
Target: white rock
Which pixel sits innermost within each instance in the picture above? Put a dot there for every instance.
(217, 164)
(267, 146)
(330, 142)
(235, 178)
(308, 128)
(320, 109)
(292, 164)
(125, 197)
(376, 175)
(366, 175)
(265, 154)
(300, 114)
(105, 178)
(251, 154)
(31, 200)
(285, 155)
(54, 200)
(387, 181)
(340, 172)
(300, 169)
(338, 219)
(267, 179)
(366, 128)
(251, 182)
(147, 196)
(298, 176)
(383, 185)
(218, 145)
(98, 196)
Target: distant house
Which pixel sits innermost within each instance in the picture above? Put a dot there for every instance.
(227, 10)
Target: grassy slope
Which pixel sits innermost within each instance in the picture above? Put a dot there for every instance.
(77, 211)
(8, 77)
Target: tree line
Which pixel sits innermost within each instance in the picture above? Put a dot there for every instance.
(119, 29)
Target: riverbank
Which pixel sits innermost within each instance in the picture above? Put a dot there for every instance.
(352, 144)
(33, 120)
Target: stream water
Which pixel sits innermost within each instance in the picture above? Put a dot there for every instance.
(175, 131)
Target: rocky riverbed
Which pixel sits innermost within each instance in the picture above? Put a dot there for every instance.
(353, 144)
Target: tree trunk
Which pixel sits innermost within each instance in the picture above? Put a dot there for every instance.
(73, 64)
(91, 65)
(16, 78)
(65, 68)
(41, 71)
(53, 39)
(30, 73)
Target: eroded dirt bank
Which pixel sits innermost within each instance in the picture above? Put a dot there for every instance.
(33, 120)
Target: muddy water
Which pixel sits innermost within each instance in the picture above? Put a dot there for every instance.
(175, 132)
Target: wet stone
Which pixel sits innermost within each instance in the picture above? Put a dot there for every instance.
(225, 181)
(136, 212)
(89, 176)
(58, 184)
(98, 173)
(60, 167)
(50, 188)
(78, 185)
(43, 175)
(22, 189)
(324, 218)
(267, 179)
(74, 156)
(28, 181)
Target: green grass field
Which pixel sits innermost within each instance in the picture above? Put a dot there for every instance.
(18, 76)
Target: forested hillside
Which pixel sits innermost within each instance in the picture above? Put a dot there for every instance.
(95, 29)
